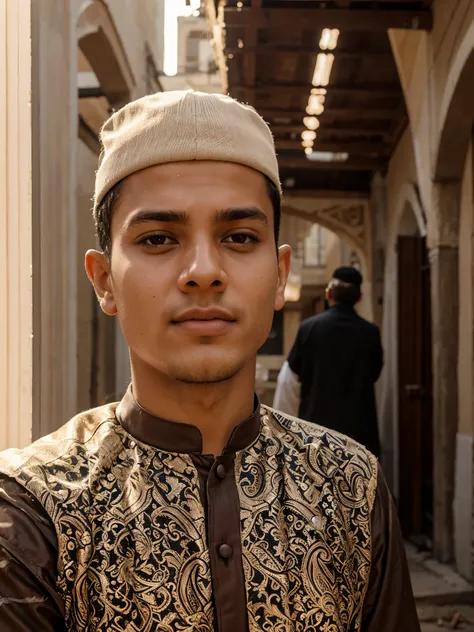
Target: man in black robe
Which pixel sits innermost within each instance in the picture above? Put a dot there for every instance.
(334, 364)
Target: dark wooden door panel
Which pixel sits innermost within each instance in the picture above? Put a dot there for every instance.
(410, 381)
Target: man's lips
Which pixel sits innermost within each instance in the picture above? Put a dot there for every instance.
(204, 322)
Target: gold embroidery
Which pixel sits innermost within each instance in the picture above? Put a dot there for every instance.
(300, 578)
(131, 527)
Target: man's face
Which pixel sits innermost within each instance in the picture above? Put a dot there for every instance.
(194, 276)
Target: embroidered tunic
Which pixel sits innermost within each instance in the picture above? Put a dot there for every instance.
(291, 529)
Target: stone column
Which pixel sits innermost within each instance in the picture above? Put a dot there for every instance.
(16, 344)
(445, 323)
(444, 258)
(54, 120)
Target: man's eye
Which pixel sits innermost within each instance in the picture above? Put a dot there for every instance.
(157, 240)
(243, 239)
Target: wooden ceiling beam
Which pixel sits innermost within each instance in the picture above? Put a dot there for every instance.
(364, 90)
(356, 114)
(326, 129)
(348, 19)
(321, 194)
(250, 60)
(355, 164)
(273, 48)
(357, 149)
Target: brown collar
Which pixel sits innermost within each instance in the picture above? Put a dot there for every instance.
(172, 436)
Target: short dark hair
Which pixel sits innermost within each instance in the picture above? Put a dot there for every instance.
(346, 294)
(103, 214)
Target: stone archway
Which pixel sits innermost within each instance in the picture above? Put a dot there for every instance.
(409, 220)
(456, 120)
(101, 45)
(456, 114)
(349, 218)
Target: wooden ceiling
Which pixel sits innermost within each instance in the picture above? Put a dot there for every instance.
(267, 51)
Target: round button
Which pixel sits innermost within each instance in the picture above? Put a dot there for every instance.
(225, 551)
(220, 471)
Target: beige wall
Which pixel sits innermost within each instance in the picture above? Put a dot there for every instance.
(16, 291)
(139, 24)
(400, 218)
(333, 253)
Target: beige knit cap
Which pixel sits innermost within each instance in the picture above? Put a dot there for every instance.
(182, 126)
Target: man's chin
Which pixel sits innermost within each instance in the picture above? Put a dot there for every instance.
(194, 380)
(204, 373)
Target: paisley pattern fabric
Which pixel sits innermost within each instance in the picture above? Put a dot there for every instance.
(306, 500)
(131, 527)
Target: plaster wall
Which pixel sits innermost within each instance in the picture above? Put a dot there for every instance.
(16, 227)
(138, 26)
(401, 172)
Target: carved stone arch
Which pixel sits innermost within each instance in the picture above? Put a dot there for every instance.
(100, 42)
(348, 218)
(456, 114)
(409, 202)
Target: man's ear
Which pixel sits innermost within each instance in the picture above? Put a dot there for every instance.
(284, 262)
(98, 270)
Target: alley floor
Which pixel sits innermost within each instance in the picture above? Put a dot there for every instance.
(437, 618)
(445, 601)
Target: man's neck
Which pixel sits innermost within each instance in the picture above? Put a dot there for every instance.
(215, 409)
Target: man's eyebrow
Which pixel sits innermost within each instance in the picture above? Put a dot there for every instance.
(179, 217)
(236, 214)
(169, 217)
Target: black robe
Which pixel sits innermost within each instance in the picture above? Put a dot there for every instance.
(338, 358)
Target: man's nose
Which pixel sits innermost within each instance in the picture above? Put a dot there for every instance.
(203, 269)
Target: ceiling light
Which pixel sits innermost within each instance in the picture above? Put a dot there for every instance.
(240, 5)
(319, 91)
(316, 104)
(329, 39)
(307, 143)
(322, 70)
(329, 156)
(240, 43)
(308, 134)
(308, 151)
(311, 122)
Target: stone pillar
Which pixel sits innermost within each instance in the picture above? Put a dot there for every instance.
(444, 257)
(445, 319)
(16, 295)
(54, 121)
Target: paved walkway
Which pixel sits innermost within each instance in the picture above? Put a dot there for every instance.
(444, 599)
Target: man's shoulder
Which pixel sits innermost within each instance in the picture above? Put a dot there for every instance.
(342, 449)
(369, 325)
(313, 322)
(80, 434)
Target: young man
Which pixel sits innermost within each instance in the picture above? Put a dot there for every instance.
(332, 369)
(188, 506)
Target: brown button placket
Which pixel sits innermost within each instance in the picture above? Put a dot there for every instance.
(223, 527)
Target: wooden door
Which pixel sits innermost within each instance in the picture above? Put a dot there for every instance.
(414, 388)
